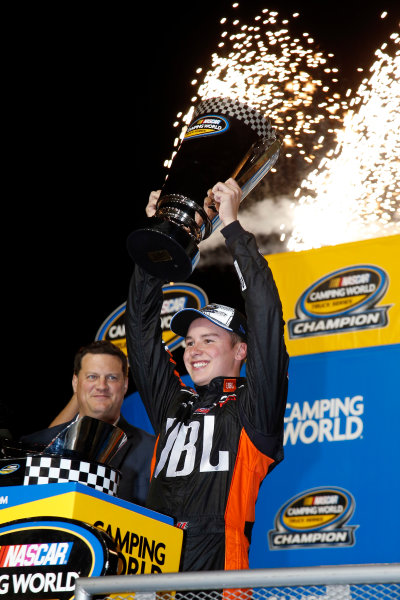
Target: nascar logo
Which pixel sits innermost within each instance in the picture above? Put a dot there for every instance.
(33, 555)
(313, 510)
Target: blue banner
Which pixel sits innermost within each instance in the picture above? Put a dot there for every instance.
(335, 498)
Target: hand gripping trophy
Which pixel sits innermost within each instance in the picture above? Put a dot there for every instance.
(226, 138)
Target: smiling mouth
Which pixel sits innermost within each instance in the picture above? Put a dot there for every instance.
(199, 365)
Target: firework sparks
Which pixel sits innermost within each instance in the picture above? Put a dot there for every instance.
(337, 178)
(354, 192)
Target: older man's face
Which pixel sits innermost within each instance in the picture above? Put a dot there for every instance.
(100, 387)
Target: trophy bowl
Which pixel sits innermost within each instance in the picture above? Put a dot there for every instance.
(226, 138)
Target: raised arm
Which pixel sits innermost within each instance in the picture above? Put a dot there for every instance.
(267, 359)
(152, 366)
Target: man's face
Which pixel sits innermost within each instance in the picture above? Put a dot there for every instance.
(209, 352)
(100, 387)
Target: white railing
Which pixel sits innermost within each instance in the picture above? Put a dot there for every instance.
(346, 582)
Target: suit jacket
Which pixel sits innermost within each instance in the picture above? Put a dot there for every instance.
(132, 460)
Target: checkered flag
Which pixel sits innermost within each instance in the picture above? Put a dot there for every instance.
(53, 469)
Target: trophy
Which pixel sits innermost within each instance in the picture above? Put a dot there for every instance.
(88, 439)
(226, 138)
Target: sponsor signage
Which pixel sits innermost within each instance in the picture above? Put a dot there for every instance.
(42, 557)
(334, 499)
(207, 125)
(138, 553)
(313, 519)
(342, 301)
(144, 541)
(9, 468)
(340, 297)
(175, 297)
(324, 420)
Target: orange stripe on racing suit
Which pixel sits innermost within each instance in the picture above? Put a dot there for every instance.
(250, 469)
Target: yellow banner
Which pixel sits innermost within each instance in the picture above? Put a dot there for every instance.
(340, 297)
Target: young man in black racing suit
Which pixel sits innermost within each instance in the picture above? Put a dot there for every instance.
(216, 443)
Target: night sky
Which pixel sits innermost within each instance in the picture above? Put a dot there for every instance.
(91, 97)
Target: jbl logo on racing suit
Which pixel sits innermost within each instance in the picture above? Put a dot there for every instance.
(180, 449)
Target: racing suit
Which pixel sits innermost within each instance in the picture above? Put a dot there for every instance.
(215, 444)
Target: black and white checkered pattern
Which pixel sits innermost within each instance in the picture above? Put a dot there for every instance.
(54, 469)
(243, 112)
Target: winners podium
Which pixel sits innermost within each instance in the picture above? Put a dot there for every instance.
(53, 533)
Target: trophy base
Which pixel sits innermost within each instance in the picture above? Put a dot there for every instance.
(164, 250)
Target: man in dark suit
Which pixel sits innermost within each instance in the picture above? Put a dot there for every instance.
(100, 381)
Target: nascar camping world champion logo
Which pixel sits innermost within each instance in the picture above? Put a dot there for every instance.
(207, 125)
(314, 519)
(344, 300)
